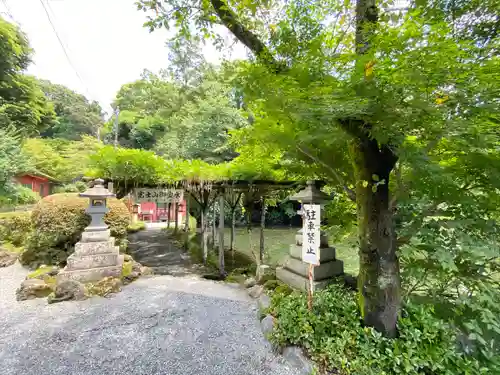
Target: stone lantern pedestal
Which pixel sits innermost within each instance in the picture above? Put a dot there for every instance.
(295, 272)
(96, 255)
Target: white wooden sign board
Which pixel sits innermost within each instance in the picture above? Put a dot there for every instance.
(311, 233)
(158, 195)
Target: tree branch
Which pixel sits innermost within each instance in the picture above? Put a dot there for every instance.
(249, 39)
(350, 193)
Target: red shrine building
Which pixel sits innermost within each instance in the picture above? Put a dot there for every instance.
(158, 205)
(38, 182)
(153, 213)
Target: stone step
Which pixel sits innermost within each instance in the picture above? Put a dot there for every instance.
(325, 255)
(299, 282)
(90, 248)
(89, 275)
(96, 236)
(323, 271)
(77, 262)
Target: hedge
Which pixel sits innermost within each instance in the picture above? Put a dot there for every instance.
(58, 222)
(15, 227)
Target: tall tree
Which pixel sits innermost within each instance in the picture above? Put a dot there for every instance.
(22, 103)
(75, 115)
(381, 92)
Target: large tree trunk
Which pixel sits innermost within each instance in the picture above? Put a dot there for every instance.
(378, 280)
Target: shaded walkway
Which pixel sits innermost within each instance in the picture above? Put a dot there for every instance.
(153, 248)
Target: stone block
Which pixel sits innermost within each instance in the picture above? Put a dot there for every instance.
(91, 248)
(264, 272)
(267, 325)
(78, 262)
(299, 282)
(89, 275)
(96, 236)
(321, 272)
(296, 358)
(255, 291)
(325, 255)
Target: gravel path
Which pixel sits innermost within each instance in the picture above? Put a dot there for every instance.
(159, 325)
(153, 248)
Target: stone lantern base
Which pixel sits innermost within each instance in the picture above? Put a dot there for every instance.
(295, 272)
(95, 258)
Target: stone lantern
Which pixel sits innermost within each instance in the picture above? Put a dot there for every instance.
(295, 272)
(97, 205)
(96, 255)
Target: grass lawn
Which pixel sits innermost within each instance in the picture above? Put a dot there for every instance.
(277, 244)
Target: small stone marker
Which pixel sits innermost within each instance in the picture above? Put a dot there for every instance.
(96, 255)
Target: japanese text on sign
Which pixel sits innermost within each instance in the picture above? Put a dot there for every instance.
(158, 195)
(311, 233)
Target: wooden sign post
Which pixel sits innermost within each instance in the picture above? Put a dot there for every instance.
(310, 242)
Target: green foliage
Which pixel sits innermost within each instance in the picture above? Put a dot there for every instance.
(22, 103)
(136, 227)
(77, 187)
(61, 159)
(421, 84)
(12, 162)
(15, 227)
(58, 221)
(75, 115)
(333, 335)
(131, 167)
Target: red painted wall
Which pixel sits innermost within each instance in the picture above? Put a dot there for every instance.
(40, 185)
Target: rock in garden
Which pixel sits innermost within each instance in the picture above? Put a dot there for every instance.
(132, 276)
(105, 287)
(267, 325)
(146, 271)
(250, 282)
(296, 358)
(265, 273)
(68, 290)
(7, 258)
(264, 302)
(33, 288)
(136, 267)
(255, 291)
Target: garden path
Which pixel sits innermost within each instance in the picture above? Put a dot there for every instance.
(159, 325)
(153, 248)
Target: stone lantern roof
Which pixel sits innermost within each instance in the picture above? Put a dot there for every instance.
(310, 194)
(97, 191)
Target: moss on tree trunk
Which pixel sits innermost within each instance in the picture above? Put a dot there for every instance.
(379, 279)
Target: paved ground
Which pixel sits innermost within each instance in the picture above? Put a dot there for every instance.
(152, 248)
(160, 325)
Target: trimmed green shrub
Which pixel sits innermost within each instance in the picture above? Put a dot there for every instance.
(15, 227)
(58, 222)
(136, 227)
(334, 336)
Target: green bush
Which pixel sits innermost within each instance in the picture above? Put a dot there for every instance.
(58, 222)
(15, 227)
(334, 336)
(136, 227)
(77, 187)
